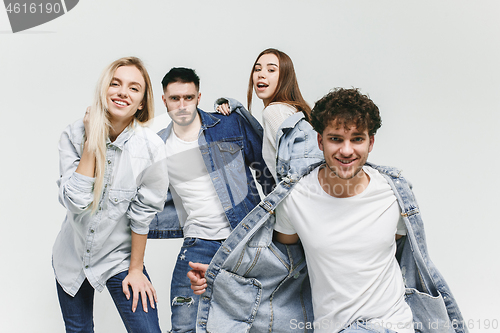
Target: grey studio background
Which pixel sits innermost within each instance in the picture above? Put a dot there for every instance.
(432, 67)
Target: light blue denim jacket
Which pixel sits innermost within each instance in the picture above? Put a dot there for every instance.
(257, 285)
(230, 146)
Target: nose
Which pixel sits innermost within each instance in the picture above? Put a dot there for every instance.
(182, 102)
(346, 149)
(122, 92)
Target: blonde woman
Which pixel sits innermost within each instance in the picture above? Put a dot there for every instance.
(113, 181)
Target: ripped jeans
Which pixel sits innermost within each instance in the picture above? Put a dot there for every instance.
(184, 303)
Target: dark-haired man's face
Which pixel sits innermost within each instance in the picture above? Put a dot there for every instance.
(345, 149)
(181, 100)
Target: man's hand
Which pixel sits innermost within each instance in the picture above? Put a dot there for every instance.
(197, 277)
(140, 285)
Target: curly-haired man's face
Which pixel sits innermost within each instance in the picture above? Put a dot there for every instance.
(345, 150)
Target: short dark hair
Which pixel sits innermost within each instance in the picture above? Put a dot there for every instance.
(181, 74)
(347, 107)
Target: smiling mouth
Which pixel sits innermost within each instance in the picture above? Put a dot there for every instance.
(120, 103)
(345, 161)
(262, 85)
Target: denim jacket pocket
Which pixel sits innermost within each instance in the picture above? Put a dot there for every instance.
(231, 153)
(429, 312)
(119, 201)
(224, 316)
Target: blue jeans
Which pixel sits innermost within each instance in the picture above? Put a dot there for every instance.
(78, 311)
(184, 302)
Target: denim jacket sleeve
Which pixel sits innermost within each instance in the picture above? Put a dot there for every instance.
(152, 186)
(75, 190)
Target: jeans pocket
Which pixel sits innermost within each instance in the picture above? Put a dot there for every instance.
(429, 312)
(224, 316)
(119, 201)
(189, 241)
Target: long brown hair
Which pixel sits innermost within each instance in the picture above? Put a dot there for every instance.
(287, 90)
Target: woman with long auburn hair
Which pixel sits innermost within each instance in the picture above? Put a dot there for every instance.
(113, 181)
(274, 81)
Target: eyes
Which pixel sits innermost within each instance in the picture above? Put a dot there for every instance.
(116, 84)
(269, 69)
(178, 98)
(357, 139)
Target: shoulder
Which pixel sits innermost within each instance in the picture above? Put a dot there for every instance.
(278, 109)
(144, 140)
(390, 173)
(74, 132)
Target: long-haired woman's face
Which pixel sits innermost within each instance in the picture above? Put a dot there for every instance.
(266, 76)
(125, 93)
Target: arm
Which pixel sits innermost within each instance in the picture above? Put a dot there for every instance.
(152, 188)
(285, 239)
(136, 279)
(197, 277)
(76, 169)
(86, 166)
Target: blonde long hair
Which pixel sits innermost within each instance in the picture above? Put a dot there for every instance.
(99, 118)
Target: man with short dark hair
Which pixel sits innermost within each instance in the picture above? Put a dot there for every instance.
(209, 157)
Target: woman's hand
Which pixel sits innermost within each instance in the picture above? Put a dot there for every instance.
(224, 109)
(140, 285)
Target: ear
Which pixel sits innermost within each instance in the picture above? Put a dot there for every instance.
(199, 97)
(320, 142)
(140, 106)
(372, 141)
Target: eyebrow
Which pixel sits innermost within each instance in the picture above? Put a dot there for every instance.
(268, 64)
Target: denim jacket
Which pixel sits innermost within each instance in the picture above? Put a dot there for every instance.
(257, 285)
(230, 146)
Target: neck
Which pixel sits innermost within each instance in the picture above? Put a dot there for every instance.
(189, 132)
(117, 128)
(342, 188)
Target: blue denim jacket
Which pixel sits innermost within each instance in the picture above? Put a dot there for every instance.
(257, 285)
(230, 146)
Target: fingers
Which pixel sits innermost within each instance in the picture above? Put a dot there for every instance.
(125, 289)
(202, 268)
(143, 287)
(152, 296)
(224, 109)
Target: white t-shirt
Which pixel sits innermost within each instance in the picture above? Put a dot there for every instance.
(190, 179)
(272, 117)
(350, 251)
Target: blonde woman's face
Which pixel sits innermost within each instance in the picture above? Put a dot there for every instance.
(125, 94)
(265, 77)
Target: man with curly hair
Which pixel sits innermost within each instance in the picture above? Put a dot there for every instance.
(348, 220)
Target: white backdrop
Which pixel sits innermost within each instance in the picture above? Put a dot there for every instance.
(432, 67)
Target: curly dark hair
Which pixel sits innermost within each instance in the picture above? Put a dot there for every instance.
(347, 107)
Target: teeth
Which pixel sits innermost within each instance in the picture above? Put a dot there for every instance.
(261, 85)
(345, 161)
(120, 103)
